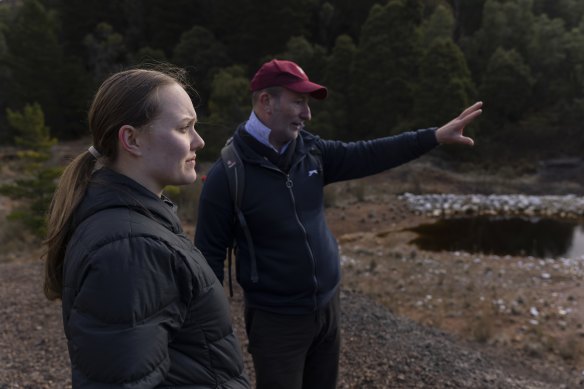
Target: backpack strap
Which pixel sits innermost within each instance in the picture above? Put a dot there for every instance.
(236, 178)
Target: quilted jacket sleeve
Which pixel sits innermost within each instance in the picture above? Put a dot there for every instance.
(131, 298)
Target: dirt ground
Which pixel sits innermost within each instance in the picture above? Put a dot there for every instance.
(411, 319)
(525, 304)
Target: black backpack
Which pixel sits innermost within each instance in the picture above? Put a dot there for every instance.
(236, 179)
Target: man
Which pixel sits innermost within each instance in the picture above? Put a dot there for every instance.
(291, 284)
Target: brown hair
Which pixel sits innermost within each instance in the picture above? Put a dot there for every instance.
(125, 98)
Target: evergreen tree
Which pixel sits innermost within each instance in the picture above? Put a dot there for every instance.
(439, 25)
(445, 85)
(574, 68)
(556, 58)
(507, 87)
(36, 183)
(505, 24)
(468, 15)
(334, 120)
(135, 36)
(202, 54)
(265, 27)
(570, 11)
(229, 105)
(80, 18)
(340, 17)
(40, 72)
(106, 51)
(386, 66)
(165, 24)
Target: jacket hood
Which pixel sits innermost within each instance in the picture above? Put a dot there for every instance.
(108, 189)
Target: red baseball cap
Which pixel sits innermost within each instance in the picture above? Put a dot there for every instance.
(288, 75)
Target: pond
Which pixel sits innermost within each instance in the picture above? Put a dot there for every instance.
(543, 238)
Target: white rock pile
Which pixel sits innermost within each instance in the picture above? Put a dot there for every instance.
(450, 205)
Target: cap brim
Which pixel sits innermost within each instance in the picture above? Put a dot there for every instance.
(319, 92)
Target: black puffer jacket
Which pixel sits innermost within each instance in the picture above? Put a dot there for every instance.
(141, 307)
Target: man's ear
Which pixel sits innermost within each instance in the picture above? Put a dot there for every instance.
(266, 101)
(128, 137)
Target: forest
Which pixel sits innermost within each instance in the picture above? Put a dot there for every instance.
(390, 66)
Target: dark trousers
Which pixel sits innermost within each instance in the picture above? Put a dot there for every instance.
(295, 351)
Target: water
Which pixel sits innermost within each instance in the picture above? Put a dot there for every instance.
(543, 238)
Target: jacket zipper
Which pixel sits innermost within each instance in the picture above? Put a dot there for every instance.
(289, 185)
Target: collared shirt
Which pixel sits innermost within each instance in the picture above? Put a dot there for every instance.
(259, 131)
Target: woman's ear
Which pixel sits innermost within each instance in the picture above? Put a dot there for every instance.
(128, 137)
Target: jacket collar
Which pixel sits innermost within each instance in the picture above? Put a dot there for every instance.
(108, 189)
(303, 143)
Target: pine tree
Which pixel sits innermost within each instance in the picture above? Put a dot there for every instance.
(439, 25)
(106, 51)
(445, 85)
(202, 54)
(36, 183)
(41, 73)
(507, 87)
(505, 24)
(334, 120)
(386, 67)
(229, 105)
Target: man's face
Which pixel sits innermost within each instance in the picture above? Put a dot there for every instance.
(289, 112)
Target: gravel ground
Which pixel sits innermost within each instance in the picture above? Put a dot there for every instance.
(379, 349)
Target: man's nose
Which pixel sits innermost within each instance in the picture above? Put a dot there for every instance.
(305, 113)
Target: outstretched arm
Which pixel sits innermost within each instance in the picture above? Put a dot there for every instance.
(452, 132)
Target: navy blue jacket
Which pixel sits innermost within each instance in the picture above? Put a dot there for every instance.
(141, 307)
(297, 255)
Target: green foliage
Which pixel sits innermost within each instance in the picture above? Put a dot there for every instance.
(507, 87)
(106, 51)
(386, 67)
(556, 51)
(445, 85)
(40, 72)
(80, 18)
(199, 51)
(505, 24)
(229, 105)
(36, 183)
(378, 58)
(571, 11)
(333, 121)
(439, 25)
(34, 137)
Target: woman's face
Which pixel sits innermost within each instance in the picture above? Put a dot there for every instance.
(170, 141)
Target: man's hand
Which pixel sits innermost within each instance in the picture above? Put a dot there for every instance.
(452, 132)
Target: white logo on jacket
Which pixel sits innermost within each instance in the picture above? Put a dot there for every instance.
(312, 172)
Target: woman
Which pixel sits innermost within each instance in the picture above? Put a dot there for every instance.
(141, 307)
